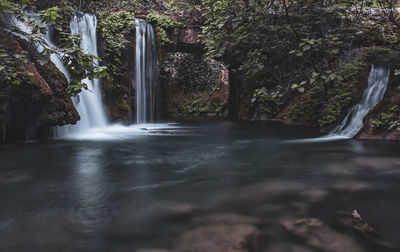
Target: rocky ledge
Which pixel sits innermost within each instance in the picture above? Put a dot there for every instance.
(29, 109)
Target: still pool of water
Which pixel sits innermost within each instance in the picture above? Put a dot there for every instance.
(196, 186)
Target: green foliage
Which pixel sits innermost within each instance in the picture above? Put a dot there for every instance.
(387, 121)
(193, 84)
(350, 80)
(162, 25)
(195, 73)
(267, 38)
(340, 100)
(316, 45)
(12, 67)
(297, 45)
(309, 109)
(265, 101)
(80, 64)
(114, 28)
(190, 103)
(13, 7)
(176, 6)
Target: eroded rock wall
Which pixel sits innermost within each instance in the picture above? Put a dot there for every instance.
(31, 108)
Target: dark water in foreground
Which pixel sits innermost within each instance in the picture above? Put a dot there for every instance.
(217, 186)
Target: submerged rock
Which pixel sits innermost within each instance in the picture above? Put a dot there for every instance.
(215, 238)
(287, 247)
(319, 236)
(356, 223)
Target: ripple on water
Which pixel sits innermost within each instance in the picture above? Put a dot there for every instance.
(157, 185)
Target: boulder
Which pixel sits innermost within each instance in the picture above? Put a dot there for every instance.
(31, 108)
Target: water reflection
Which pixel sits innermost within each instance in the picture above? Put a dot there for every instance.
(91, 192)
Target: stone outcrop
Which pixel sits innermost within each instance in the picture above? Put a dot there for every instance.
(194, 85)
(31, 108)
(319, 236)
(355, 222)
(383, 122)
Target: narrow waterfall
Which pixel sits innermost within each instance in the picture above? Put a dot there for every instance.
(146, 72)
(353, 122)
(24, 29)
(88, 102)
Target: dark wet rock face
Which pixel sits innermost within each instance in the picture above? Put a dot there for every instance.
(30, 109)
(194, 85)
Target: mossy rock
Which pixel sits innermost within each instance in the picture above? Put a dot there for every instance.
(385, 117)
(348, 91)
(307, 110)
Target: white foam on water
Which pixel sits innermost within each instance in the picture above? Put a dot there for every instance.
(121, 132)
(318, 139)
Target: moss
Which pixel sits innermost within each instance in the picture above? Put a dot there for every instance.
(340, 101)
(265, 101)
(308, 109)
(348, 89)
(342, 95)
(389, 120)
(113, 27)
(192, 103)
(163, 25)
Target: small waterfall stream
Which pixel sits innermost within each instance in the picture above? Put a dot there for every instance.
(146, 72)
(353, 122)
(88, 102)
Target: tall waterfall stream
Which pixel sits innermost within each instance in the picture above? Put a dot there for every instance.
(146, 72)
(88, 102)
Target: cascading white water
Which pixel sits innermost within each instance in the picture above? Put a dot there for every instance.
(23, 30)
(88, 102)
(146, 72)
(353, 122)
(89, 105)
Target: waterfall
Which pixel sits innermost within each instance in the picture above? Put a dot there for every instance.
(353, 122)
(93, 124)
(146, 72)
(22, 30)
(88, 102)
